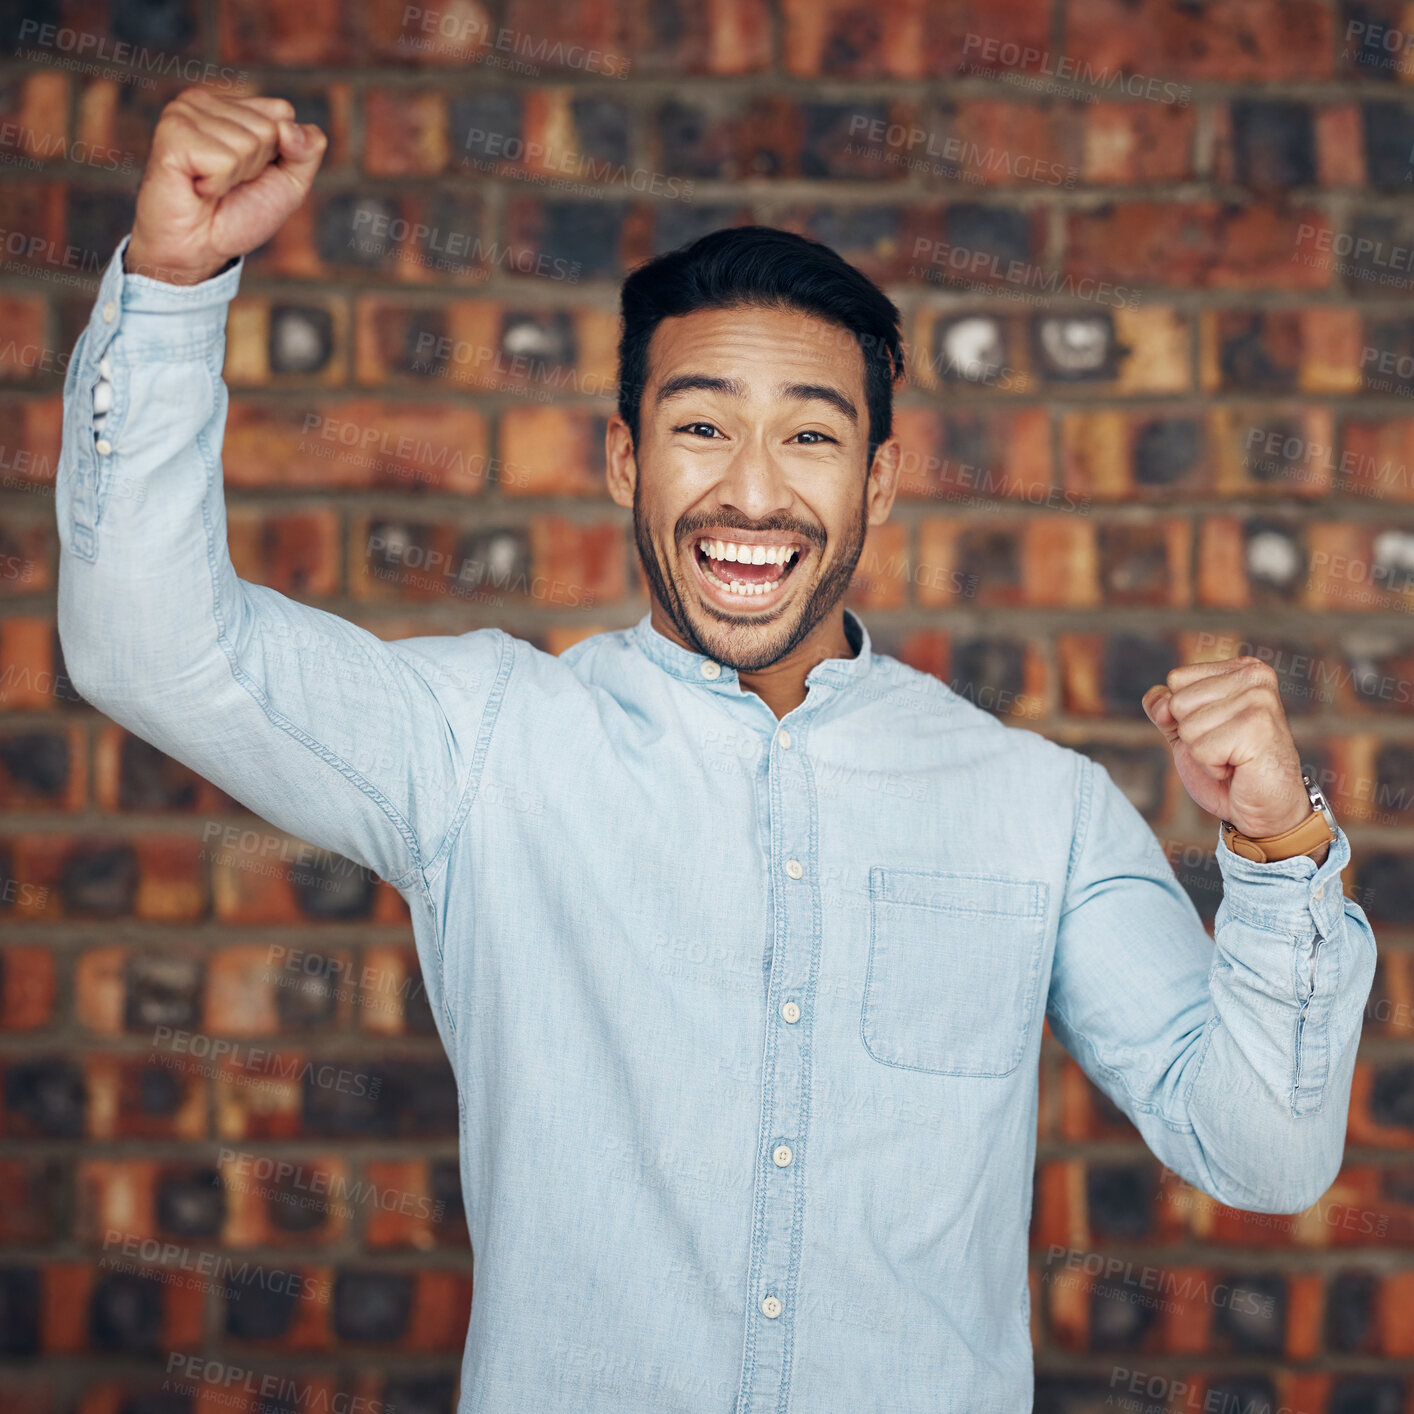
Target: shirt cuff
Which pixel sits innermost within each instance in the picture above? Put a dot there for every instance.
(1283, 895)
(154, 312)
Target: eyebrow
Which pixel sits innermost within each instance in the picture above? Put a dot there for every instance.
(733, 387)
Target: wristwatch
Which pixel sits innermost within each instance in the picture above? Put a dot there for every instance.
(1315, 831)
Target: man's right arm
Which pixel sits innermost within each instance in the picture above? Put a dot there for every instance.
(368, 748)
(362, 746)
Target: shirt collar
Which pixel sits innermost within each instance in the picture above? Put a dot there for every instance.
(683, 663)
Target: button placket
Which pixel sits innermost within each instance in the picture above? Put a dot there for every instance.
(780, 1193)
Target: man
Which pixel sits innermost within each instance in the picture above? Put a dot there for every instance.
(745, 1020)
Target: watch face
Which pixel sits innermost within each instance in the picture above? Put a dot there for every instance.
(1319, 802)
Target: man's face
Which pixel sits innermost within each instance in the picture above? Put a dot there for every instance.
(753, 434)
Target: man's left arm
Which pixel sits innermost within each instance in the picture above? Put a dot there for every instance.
(1235, 1061)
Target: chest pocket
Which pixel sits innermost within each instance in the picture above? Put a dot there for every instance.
(954, 963)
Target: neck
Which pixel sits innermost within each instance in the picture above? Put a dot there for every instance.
(780, 685)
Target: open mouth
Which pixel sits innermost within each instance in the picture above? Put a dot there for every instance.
(742, 574)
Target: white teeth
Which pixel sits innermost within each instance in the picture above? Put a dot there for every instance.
(748, 554)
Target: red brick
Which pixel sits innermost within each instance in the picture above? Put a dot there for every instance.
(406, 132)
(298, 554)
(29, 1203)
(27, 553)
(357, 443)
(30, 433)
(1197, 244)
(24, 352)
(576, 566)
(1239, 39)
(27, 999)
(883, 573)
(841, 38)
(268, 32)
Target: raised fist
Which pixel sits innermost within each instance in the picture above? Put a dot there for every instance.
(223, 176)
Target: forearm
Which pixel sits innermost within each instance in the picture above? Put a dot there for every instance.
(1234, 1062)
(1269, 1092)
(145, 582)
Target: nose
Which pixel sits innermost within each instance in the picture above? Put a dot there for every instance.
(755, 483)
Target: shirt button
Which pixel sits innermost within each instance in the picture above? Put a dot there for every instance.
(110, 312)
(791, 1012)
(793, 868)
(1318, 891)
(771, 1307)
(783, 736)
(104, 446)
(711, 671)
(782, 1155)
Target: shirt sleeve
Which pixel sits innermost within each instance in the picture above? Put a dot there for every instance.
(367, 748)
(1232, 1056)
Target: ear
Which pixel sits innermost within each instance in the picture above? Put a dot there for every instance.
(883, 481)
(620, 463)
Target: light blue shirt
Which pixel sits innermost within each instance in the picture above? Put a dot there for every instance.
(744, 1013)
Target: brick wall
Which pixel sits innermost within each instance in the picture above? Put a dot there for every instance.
(1155, 260)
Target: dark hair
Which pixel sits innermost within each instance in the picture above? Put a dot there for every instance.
(768, 268)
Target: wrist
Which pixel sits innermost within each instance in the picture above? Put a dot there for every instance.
(135, 263)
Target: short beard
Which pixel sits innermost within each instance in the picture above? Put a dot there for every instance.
(821, 602)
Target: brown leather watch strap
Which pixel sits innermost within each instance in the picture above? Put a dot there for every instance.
(1305, 838)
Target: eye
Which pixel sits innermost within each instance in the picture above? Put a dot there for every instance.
(687, 426)
(823, 436)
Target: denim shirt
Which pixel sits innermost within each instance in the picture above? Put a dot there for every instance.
(744, 1013)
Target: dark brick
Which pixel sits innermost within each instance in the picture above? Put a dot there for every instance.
(1392, 1095)
(191, 1202)
(1274, 143)
(1253, 1318)
(161, 989)
(169, 25)
(125, 1314)
(19, 1311)
(333, 888)
(99, 880)
(989, 672)
(1167, 451)
(1140, 772)
(48, 1096)
(1132, 666)
(1259, 352)
(148, 779)
(97, 221)
(260, 1310)
(423, 1394)
(1361, 1394)
(1389, 139)
(497, 113)
(372, 1305)
(1119, 1199)
(1076, 348)
(1350, 1307)
(1121, 1315)
(1134, 564)
(311, 1000)
(36, 761)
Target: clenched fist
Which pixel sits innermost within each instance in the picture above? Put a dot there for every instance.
(1232, 745)
(223, 176)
